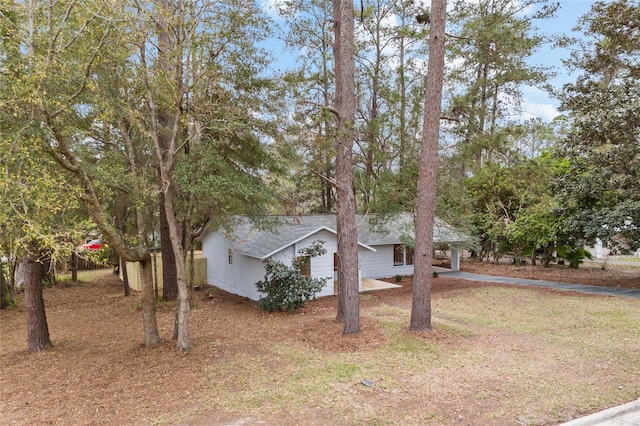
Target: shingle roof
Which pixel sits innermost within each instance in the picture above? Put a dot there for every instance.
(372, 231)
(262, 244)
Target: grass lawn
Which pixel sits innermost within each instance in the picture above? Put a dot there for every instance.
(85, 276)
(498, 355)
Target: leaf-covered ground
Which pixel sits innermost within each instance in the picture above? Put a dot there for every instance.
(498, 355)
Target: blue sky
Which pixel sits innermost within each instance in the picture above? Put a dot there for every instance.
(570, 11)
(536, 102)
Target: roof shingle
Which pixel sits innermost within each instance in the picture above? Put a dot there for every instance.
(372, 231)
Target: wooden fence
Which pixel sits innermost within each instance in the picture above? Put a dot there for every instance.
(88, 264)
(134, 272)
(84, 264)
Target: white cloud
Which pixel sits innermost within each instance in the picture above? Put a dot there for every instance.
(537, 103)
(269, 6)
(544, 111)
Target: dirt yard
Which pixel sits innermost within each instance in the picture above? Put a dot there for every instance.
(497, 355)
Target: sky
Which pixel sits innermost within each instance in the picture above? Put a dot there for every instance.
(536, 102)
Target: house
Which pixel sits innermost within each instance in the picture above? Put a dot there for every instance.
(604, 250)
(235, 261)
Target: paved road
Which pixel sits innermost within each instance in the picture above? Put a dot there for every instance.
(582, 288)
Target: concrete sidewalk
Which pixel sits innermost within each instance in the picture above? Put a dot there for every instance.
(581, 288)
(622, 415)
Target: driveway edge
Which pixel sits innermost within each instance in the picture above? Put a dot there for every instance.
(628, 413)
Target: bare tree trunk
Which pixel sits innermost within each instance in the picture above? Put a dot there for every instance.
(181, 330)
(348, 291)
(74, 266)
(547, 254)
(169, 279)
(141, 253)
(192, 271)
(125, 279)
(165, 122)
(119, 213)
(326, 186)
(533, 255)
(151, 336)
(402, 113)
(13, 265)
(3, 287)
(37, 328)
(425, 212)
(49, 270)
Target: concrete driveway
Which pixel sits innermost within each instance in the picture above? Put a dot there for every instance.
(581, 288)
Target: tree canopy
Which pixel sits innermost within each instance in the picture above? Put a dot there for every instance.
(600, 184)
(110, 110)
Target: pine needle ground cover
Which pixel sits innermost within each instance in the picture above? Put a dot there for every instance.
(498, 355)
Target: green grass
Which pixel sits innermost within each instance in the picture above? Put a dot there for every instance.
(86, 276)
(629, 262)
(502, 353)
(627, 258)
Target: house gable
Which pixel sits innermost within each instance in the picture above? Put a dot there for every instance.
(262, 244)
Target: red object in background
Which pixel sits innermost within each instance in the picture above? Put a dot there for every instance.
(93, 245)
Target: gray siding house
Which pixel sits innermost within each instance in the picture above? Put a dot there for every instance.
(235, 261)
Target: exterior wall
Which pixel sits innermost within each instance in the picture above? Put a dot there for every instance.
(455, 259)
(240, 276)
(322, 266)
(286, 255)
(600, 250)
(379, 264)
(248, 271)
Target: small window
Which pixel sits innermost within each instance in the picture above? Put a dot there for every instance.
(408, 254)
(398, 255)
(305, 268)
(230, 252)
(402, 255)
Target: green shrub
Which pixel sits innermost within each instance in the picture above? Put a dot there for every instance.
(286, 288)
(8, 301)
(574, 255)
